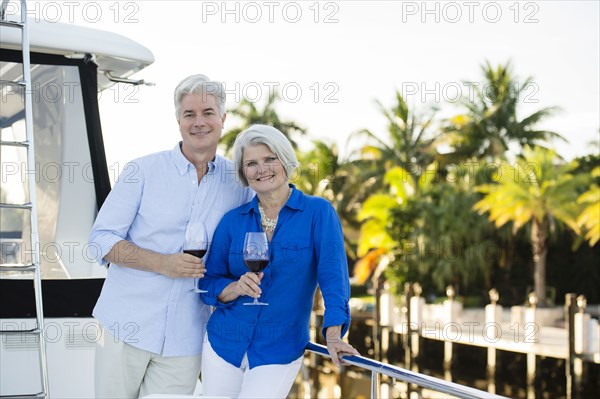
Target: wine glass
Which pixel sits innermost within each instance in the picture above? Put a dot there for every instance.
(256, 255)
(196, 243)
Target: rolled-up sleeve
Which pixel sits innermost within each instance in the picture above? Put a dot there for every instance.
(332, 269)
(217, 275)
(117, 213)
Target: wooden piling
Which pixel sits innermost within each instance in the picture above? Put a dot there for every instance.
(570, 309)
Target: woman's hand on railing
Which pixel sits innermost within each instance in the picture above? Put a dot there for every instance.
(336, 346)
(340, 348)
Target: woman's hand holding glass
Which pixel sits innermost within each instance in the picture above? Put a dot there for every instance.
(249, 285)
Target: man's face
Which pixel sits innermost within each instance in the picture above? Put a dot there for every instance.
(200, 123)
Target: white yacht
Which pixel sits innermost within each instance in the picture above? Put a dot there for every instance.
(69, 66)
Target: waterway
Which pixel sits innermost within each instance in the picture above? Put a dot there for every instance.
(321, 379)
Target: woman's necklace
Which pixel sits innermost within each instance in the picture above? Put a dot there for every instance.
(267, 223)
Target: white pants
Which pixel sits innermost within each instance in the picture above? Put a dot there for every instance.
(220, 378)
(124, 371)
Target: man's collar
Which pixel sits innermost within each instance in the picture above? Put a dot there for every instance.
(182, 164)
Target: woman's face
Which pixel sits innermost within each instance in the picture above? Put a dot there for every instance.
(263, 169)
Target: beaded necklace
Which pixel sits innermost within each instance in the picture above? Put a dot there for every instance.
(267, 223)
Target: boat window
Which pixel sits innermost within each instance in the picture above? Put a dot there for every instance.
(66, 199)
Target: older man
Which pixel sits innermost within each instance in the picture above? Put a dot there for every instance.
(153, 321)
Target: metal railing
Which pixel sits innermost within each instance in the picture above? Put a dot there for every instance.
(410, 377)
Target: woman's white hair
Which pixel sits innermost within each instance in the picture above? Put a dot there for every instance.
(201, 85)
(272, 138)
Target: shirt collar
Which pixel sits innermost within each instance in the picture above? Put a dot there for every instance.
(296, 201)
(182, 164)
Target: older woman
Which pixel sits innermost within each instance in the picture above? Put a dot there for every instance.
(256, 351)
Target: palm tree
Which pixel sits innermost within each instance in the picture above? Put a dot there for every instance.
(491, 124)
(250, 115)
(408, 144)
(375, 217)
(323, 173)
(537, 192)
(320, 168)
(401, 159)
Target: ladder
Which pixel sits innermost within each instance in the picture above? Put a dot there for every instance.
(30, 206)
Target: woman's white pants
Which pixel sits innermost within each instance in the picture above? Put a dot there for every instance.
(220, 378)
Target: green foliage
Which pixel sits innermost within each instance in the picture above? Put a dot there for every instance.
(589, 218)
(319, 169)
(441, 240)
(490, 123)
(373, 231)
(408, 143)
(375, 211)
(399, 196)
(573, 271)
(251, 115)
(535, 187)
(540, 192)
(401, 183)
(323, 173)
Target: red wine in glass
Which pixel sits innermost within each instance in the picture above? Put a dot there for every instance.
(256, 265)
(198, 253)
(256, 255)
(196, 243)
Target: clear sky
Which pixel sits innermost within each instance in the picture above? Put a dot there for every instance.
(333, 59)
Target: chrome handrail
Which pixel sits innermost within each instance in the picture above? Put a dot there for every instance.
(411, 377)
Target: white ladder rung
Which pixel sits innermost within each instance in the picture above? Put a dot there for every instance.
(33, 395)
(32, 331)
(27, 205)
(20, 83)
(15, 143)
(12, 267)
(11, 24)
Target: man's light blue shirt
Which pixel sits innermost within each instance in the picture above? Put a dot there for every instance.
(152, 202)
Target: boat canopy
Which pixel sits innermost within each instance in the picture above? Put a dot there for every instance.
(113, 53)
